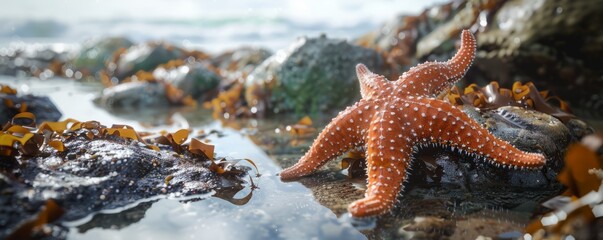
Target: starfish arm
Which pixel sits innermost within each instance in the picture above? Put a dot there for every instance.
(447, 125)
(431, 78)
(462, 60)
(370, 83)
(343, 133)
(388, 156)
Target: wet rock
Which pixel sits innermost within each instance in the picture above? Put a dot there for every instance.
(525, 129)
(555, 44)
(143, 57)
(106, 173)
(44, 62)
(134, 95)
(41, 106)
(398, 38)
(312, 75)
(175, 83)
(95, 54)
(243, 59)
(530, 130)
(192, 78)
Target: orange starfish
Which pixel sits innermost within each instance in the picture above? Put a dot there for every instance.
(393, 117)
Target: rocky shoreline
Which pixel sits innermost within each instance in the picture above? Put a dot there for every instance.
(313, 76)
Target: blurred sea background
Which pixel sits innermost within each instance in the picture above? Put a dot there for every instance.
(212, 26)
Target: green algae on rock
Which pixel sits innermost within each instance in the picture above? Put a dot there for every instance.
(96, 54)
(312, 75)
(144, 57)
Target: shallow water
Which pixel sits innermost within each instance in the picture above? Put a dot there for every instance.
(276, 210)
(313, 207)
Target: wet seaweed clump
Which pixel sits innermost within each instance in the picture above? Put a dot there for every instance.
(72, 169)
(527, 96)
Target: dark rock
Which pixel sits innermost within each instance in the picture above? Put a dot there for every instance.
(555, 44)
(40, 106)
(527, 130)
(312, 75)
(106, 173)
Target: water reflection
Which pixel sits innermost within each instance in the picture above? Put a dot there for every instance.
(277, 210)
(305, 209)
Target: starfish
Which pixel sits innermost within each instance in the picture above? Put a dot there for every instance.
(393, 118)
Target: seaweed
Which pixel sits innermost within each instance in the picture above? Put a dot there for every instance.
(576, 210)
(492, 96)
(21, 138)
